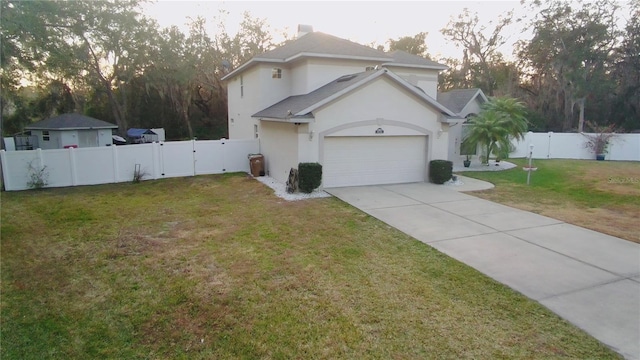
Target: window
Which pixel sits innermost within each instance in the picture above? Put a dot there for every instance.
(466, 149)
(45, 136)
(276, 73)
(241, 87)
(255, 130)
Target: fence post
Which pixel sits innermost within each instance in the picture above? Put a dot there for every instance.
(5, 170)
(40, 159)
(114, 162)
(193, 154)
(73, 167)
(155, 160)
(223, 154)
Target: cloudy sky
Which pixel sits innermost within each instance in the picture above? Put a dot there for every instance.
(364, 22)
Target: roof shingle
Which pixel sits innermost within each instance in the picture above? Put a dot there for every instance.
(320, 43)
(70, 122)
(456, 100)
(294, 104)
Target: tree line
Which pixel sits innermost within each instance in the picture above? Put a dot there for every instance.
(107, 60)
(580, 65)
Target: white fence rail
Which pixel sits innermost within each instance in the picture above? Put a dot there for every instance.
(571, 146)
(112, 164)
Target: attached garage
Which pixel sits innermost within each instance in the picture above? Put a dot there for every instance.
(373, 160)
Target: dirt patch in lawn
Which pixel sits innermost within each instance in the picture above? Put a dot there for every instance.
(601, 196)
(625, 181)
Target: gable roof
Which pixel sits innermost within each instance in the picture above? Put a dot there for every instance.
(318, 43)
(457, 99)
(299, 108)
(315, 44)
(321, 45)
(403, 58)
(70, 122)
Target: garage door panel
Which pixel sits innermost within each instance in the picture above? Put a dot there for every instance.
(352, 161)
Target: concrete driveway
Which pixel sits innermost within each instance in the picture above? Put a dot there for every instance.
(588, 278)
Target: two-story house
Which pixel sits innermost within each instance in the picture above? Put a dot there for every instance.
(369, 117)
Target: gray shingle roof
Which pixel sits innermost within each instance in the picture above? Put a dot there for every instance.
(456, 100)
(404, 58)
(294, 104)
(323, 45)
(320, 43)
(70, 122)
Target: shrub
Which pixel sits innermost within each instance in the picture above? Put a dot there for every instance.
(440, 171)
(309, 176)
(38, 176)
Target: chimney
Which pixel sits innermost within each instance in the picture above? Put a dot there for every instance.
(304, 30)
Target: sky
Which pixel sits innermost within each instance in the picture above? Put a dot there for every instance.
(364, 22)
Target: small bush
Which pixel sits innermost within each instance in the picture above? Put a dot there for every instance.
(440, 171)
(309, 176)
(38, 176)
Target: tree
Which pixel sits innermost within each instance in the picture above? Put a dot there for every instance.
(416, 45)
(102, 42)
(626, 74)
(479, 50)
(253, 38)
(500, 121)
(570, 52)
(173, 74)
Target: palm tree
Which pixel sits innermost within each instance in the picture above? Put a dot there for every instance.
(500, 121)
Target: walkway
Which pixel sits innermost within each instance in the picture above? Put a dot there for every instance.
(588, 278)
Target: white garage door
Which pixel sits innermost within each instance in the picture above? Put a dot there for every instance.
(363, 160)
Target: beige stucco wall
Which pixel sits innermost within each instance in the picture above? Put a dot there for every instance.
(241, 107)
(379, 104)
(426, 79)
(455, 134)
(310, 74)
(382, 104)
(279, 145)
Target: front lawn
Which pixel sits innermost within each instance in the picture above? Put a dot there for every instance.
(217, 267)
(599, 195)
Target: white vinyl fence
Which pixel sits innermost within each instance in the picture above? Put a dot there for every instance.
(571, 146)
(112, 164)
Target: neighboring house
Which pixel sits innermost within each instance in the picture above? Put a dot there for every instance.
(71, 130)
(369, 117)
(464, 103)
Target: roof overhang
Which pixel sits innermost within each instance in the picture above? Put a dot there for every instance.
(334, 56)
(69, 128)
(414, 66)
(451, 119)
(293, 120)
(299, 56)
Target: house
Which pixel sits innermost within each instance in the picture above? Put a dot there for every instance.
(464, 103)
(369, 117)
(71, 130)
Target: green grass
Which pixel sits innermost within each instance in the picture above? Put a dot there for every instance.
(218, 267)
(600, 195)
